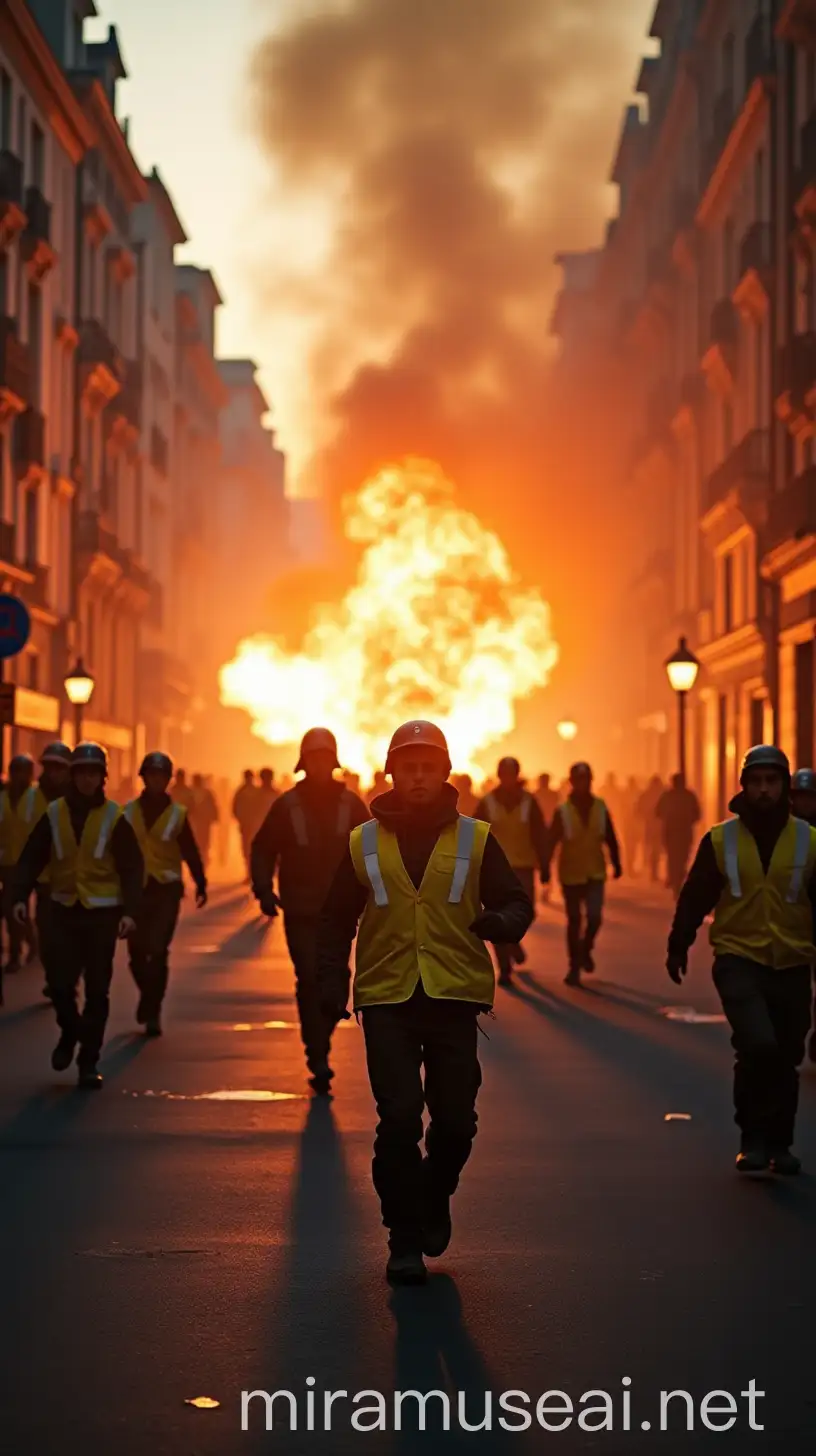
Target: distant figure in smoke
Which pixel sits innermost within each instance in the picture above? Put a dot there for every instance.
(379, 786)
(649, 826)
(517, 824)
(182, 793)
(583, 834)
(677, 812)
(203, 815)
(463, 783)
(301, 841)
(245, 816)
(546, 798)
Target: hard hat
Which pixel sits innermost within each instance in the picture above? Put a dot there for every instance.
(417, 734)
(580, 768)
(90, 755)
(19, 761)
(765, 755)
(804, 781)
(511, 763)
(317, 740)
(160, 761)
(56, 753)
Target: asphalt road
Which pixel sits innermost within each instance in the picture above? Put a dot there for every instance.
(159, 1246)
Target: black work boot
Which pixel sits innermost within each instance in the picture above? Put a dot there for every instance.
(141, 1012)
(785, 1163)
(63, 1053)
(752, 1156)
(152, 1026)
(90, 1077)
(518, 954)
(321, 1079)
(573, 976)
(587, 962)
(436, 1219)
(405, 1262)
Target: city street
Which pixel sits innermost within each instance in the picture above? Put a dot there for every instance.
(162, 1244)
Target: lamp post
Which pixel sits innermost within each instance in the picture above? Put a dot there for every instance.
(682, 668)
(79, 688)
(567, 729)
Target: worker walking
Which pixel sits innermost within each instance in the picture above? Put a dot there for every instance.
(16, 822)
(167, 842)
(244, 812)
(583, 834)
(55, 776)
(518, 824)
(431, 886)
(302, 840)
(96, 870)
(803, 806)
(678, 812)
(756, 874)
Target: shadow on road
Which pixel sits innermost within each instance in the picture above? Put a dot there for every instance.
(24, 1013)
(434, 1350)
(246, 941)
(47, 1116)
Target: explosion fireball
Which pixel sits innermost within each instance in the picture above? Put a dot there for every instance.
(436, 625)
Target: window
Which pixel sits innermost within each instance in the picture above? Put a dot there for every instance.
(90, 634)
(5, 111)
(728, 256)
(35, 341)
(30, 527)
(78, 42)
(727, 60)
(33, 672)
(728, 426)
(722, 754)
(37, 156)
(757, 723)
(21, 129)
(728, 593)
(3, 283)
(804, 703)
(759, 184)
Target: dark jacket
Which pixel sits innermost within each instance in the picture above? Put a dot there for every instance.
(305, 872)
(127, 856)
(509, 800)
(555, 834)
(705, 883)
(417, 832)
(152, 807)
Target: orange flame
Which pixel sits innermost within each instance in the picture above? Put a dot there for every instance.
(437, 625)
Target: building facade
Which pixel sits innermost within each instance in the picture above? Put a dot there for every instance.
(44, 137)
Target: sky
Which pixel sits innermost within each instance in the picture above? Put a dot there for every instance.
(188, 97)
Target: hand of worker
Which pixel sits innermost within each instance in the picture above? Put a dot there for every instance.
(677, 966)
(490, 926)
(544, 876)
(618, 872)
(127, 925)
(201, 898)
(269, 904)
(20, 912)
(333, 1009)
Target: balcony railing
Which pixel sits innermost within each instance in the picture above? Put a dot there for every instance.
(747, 467)
(97, 348)
(756, 249)
(15, 361)
(94, 538)
(38, 212)
(11, 178)
(792, 511)
(29, 439)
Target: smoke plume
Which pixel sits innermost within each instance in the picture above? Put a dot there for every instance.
(455, 146)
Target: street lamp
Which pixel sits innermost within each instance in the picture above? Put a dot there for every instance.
(567, 729)
(79, 687)
(682, 668)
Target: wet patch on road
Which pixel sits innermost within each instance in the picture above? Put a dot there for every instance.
(279, 1025)
(203, 1402)
(225, 1095)
(691, 1016)
(677, 1117)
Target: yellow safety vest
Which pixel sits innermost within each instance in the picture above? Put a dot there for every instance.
(407, 933)
(84, 871)
(765, 918)
(17, 821)
(159, 844)
(582, 857)
(511, 827)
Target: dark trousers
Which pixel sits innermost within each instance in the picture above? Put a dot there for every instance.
(149, 946)
(85, 944)
(504, 953)
(315, 1030)
(584, 905)
(403, 1041)
(769, 1014)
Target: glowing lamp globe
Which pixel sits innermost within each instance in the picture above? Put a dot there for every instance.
(682, 668)
(79, 685)
(567, 730)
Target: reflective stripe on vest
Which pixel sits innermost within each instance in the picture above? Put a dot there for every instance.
(298, 819)
(29, 803)
(108, 821)
(465, 840)
(176, 815)
(731, 858)
(494, 808)
(56, 837)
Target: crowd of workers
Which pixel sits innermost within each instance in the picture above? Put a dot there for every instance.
(425, 874)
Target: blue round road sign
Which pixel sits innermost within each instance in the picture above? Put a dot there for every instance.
(15, 625)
